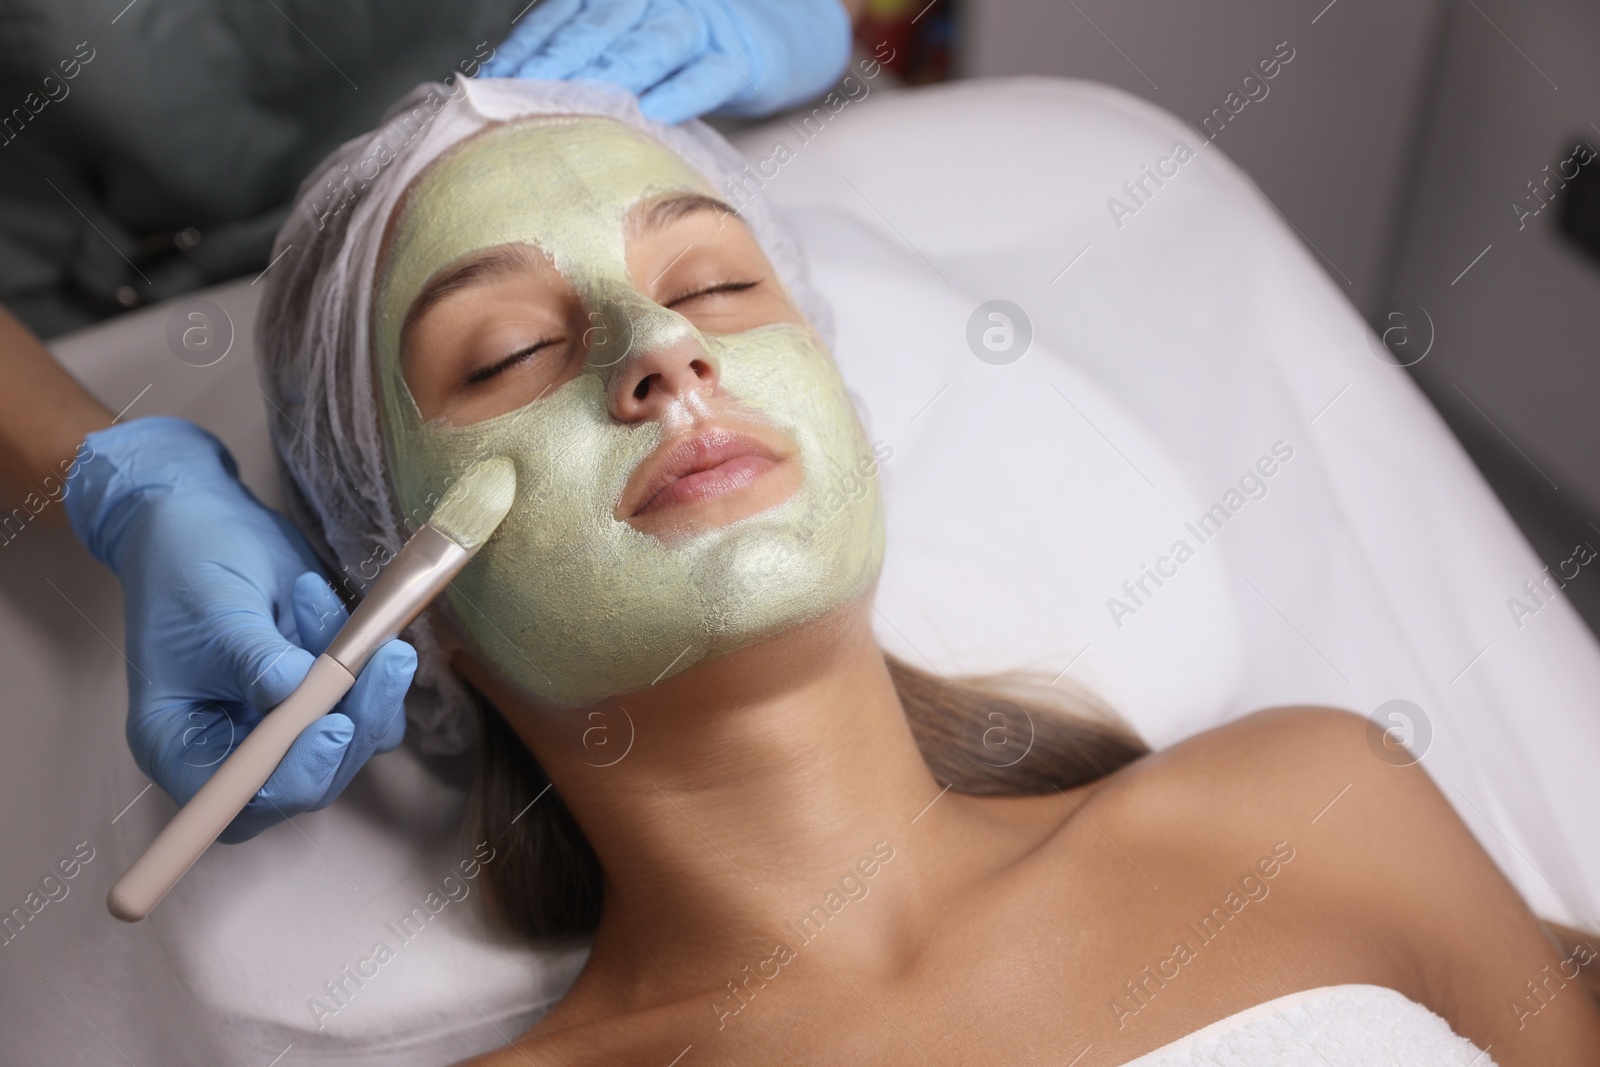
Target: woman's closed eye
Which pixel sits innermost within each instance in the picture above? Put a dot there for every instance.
(712, 289)
(515, 359)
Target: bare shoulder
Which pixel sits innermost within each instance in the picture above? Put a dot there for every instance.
(1382, 854)
(1300, 778)
(1281, 740)
(1277, 771)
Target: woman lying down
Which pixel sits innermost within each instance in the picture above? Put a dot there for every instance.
(808, 854)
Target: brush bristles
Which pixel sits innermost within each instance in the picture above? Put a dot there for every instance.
(476, 504)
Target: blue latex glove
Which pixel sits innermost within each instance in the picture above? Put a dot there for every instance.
(226, 612)
(684, 58)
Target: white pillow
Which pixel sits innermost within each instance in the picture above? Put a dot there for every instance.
(1021, 497)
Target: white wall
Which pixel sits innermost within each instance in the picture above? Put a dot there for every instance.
(1329, 144)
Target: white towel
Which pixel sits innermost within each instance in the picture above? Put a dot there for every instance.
(1331, 1026)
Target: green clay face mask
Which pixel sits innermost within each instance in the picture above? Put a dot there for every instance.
(567, 601)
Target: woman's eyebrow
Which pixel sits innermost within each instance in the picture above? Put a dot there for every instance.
(486, 266)
(659, 213)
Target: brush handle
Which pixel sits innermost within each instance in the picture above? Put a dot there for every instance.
(418, 573)
(240, 777)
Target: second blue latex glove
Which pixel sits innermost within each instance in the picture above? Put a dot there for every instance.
(684, 58)
(225, 614)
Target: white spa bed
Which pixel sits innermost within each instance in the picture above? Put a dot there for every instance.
(1171, 356)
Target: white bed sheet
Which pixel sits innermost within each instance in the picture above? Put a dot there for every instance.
(1170, 356)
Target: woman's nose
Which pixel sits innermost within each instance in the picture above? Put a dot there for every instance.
(665, 374)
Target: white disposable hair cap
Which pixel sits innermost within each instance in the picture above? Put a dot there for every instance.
(314, 343)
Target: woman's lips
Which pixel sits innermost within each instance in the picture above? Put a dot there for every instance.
(725, 477)
(706, 465)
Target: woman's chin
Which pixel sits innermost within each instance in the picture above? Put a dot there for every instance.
(779, 657)
(772, 659)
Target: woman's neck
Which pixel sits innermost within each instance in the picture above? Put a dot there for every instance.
(750, 788)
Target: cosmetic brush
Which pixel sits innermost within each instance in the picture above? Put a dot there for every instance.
(469, 513)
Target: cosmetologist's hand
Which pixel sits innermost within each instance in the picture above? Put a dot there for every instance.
(684, 58)
(226, 611)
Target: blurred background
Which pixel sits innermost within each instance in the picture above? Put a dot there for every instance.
(1430, 152)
